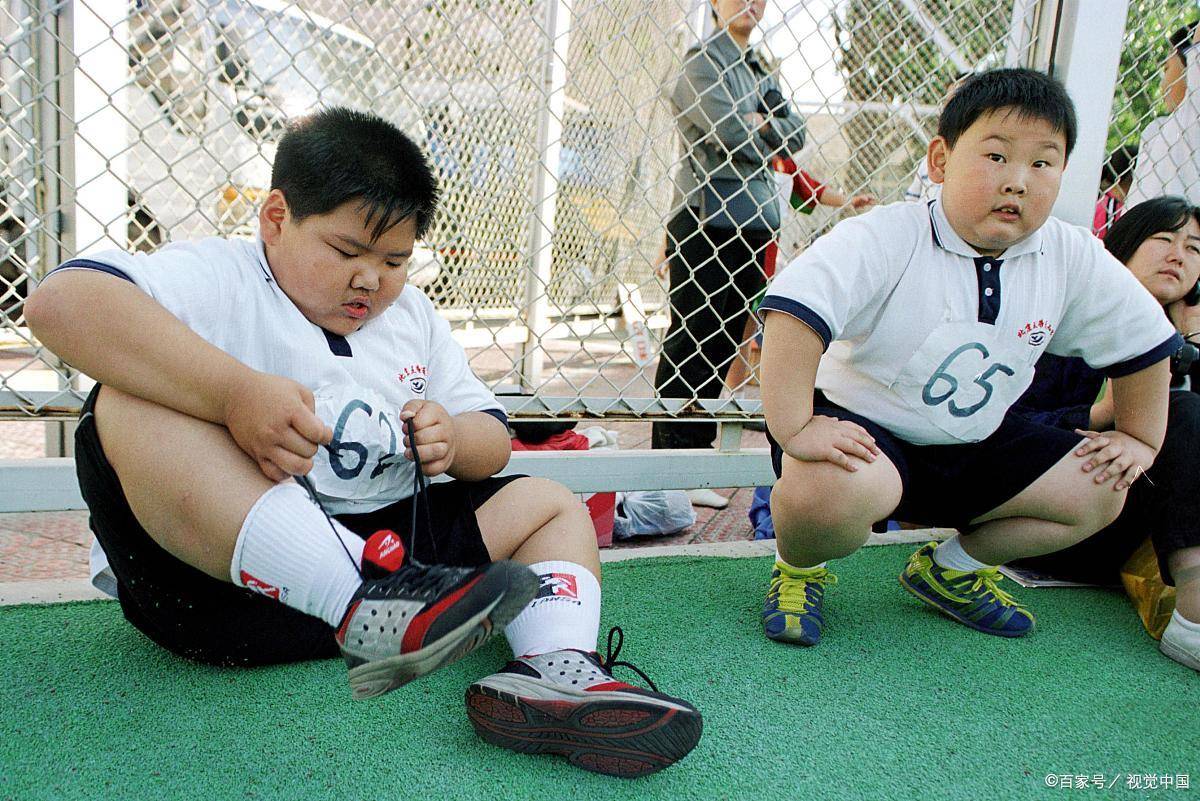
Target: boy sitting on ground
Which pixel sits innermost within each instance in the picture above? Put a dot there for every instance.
(226, 367)
(931, 318)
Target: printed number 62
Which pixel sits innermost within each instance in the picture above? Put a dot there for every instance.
(940, 374)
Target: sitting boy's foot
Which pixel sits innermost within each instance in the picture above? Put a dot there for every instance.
(794, 609)
(568, 703)
(422, 617)
(1181, 641)
(972, 598)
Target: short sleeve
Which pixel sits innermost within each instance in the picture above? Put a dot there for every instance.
(451, 382)
(198, 286)
(841, 275)
(1110, 320)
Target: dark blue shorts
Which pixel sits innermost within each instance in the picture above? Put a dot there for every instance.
(202, 618)
(951, 485)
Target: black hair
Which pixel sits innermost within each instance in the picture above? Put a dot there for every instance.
(1119, 166)
(1150, 217)
(338, 155)
(1029, 93)
(1181, 40)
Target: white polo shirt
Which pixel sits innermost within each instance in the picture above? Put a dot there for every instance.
(935, 342)
(224, 291)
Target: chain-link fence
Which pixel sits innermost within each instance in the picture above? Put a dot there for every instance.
(1154, 138)
(554, 127)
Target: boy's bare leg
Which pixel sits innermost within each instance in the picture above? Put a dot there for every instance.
(1062, 507)
(533, 520)
(822, 511)
(187, 482)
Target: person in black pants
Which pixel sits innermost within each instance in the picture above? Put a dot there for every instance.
(714, 275)
(733, 119)
(1159, 241)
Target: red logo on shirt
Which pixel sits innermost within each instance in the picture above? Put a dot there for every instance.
(1036, 332)
(416, 376)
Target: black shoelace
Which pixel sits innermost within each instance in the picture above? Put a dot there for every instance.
(610, 661)
(420, 493)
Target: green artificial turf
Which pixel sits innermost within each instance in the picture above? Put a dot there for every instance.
(896, 703)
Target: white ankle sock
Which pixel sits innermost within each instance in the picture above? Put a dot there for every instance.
(287, 551)
(950, 555)
(788, 564)
(564, 614)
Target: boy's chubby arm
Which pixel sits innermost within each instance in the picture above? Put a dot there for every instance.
(470, 446)
(1139, 403)
(790, 355)
(114, 332)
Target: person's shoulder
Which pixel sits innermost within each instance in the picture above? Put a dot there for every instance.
(1066, 244)
(893, 228)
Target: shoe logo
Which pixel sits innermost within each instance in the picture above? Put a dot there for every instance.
(561, 585)
(263, 588)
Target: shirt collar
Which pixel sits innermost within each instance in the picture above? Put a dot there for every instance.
(260, 250)
(945, 237)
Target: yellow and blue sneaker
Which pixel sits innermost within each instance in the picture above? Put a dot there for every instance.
(793, 610)
(973, 598)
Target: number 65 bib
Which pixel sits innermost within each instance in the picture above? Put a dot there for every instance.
(964, 378)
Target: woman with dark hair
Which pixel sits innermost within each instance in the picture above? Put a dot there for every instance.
(1159, 241)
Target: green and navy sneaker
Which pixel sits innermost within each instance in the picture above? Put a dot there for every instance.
(972, 598)
(793, 609)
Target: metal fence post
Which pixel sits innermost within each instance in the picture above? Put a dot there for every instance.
(545, 190)
(1086, 60)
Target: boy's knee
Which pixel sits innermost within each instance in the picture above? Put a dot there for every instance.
(820, 499)
(1096, 508)
(553, 497)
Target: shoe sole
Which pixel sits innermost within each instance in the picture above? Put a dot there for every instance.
(514, 586)
(1172, 651)
(925, 599)
(624, 738)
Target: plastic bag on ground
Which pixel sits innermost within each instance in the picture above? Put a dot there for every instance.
(652, 513)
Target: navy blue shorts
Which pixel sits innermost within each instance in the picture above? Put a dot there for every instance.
(196, 616)
(951, 485)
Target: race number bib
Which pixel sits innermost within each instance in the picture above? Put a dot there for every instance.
(963, 379)
(365, 460)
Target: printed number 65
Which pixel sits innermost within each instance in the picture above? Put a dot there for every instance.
(940, 374)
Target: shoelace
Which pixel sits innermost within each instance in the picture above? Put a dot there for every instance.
(795, 591)
(989, 578)
(610, 660)
(420, 493)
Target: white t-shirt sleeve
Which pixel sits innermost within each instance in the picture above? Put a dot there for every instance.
(836, 283)
(196, 282)
(1110, 320)
(451, 382)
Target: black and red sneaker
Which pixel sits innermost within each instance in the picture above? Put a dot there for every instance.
(568, 703)
(422, 617)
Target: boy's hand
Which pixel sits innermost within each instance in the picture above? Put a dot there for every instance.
(827, 439)
(1115, 455)
(435, 435)
(272, 419)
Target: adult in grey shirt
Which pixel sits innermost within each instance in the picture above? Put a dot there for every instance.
(733, 120)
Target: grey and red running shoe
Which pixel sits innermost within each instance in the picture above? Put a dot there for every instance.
(422, 617)
(568, 703)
